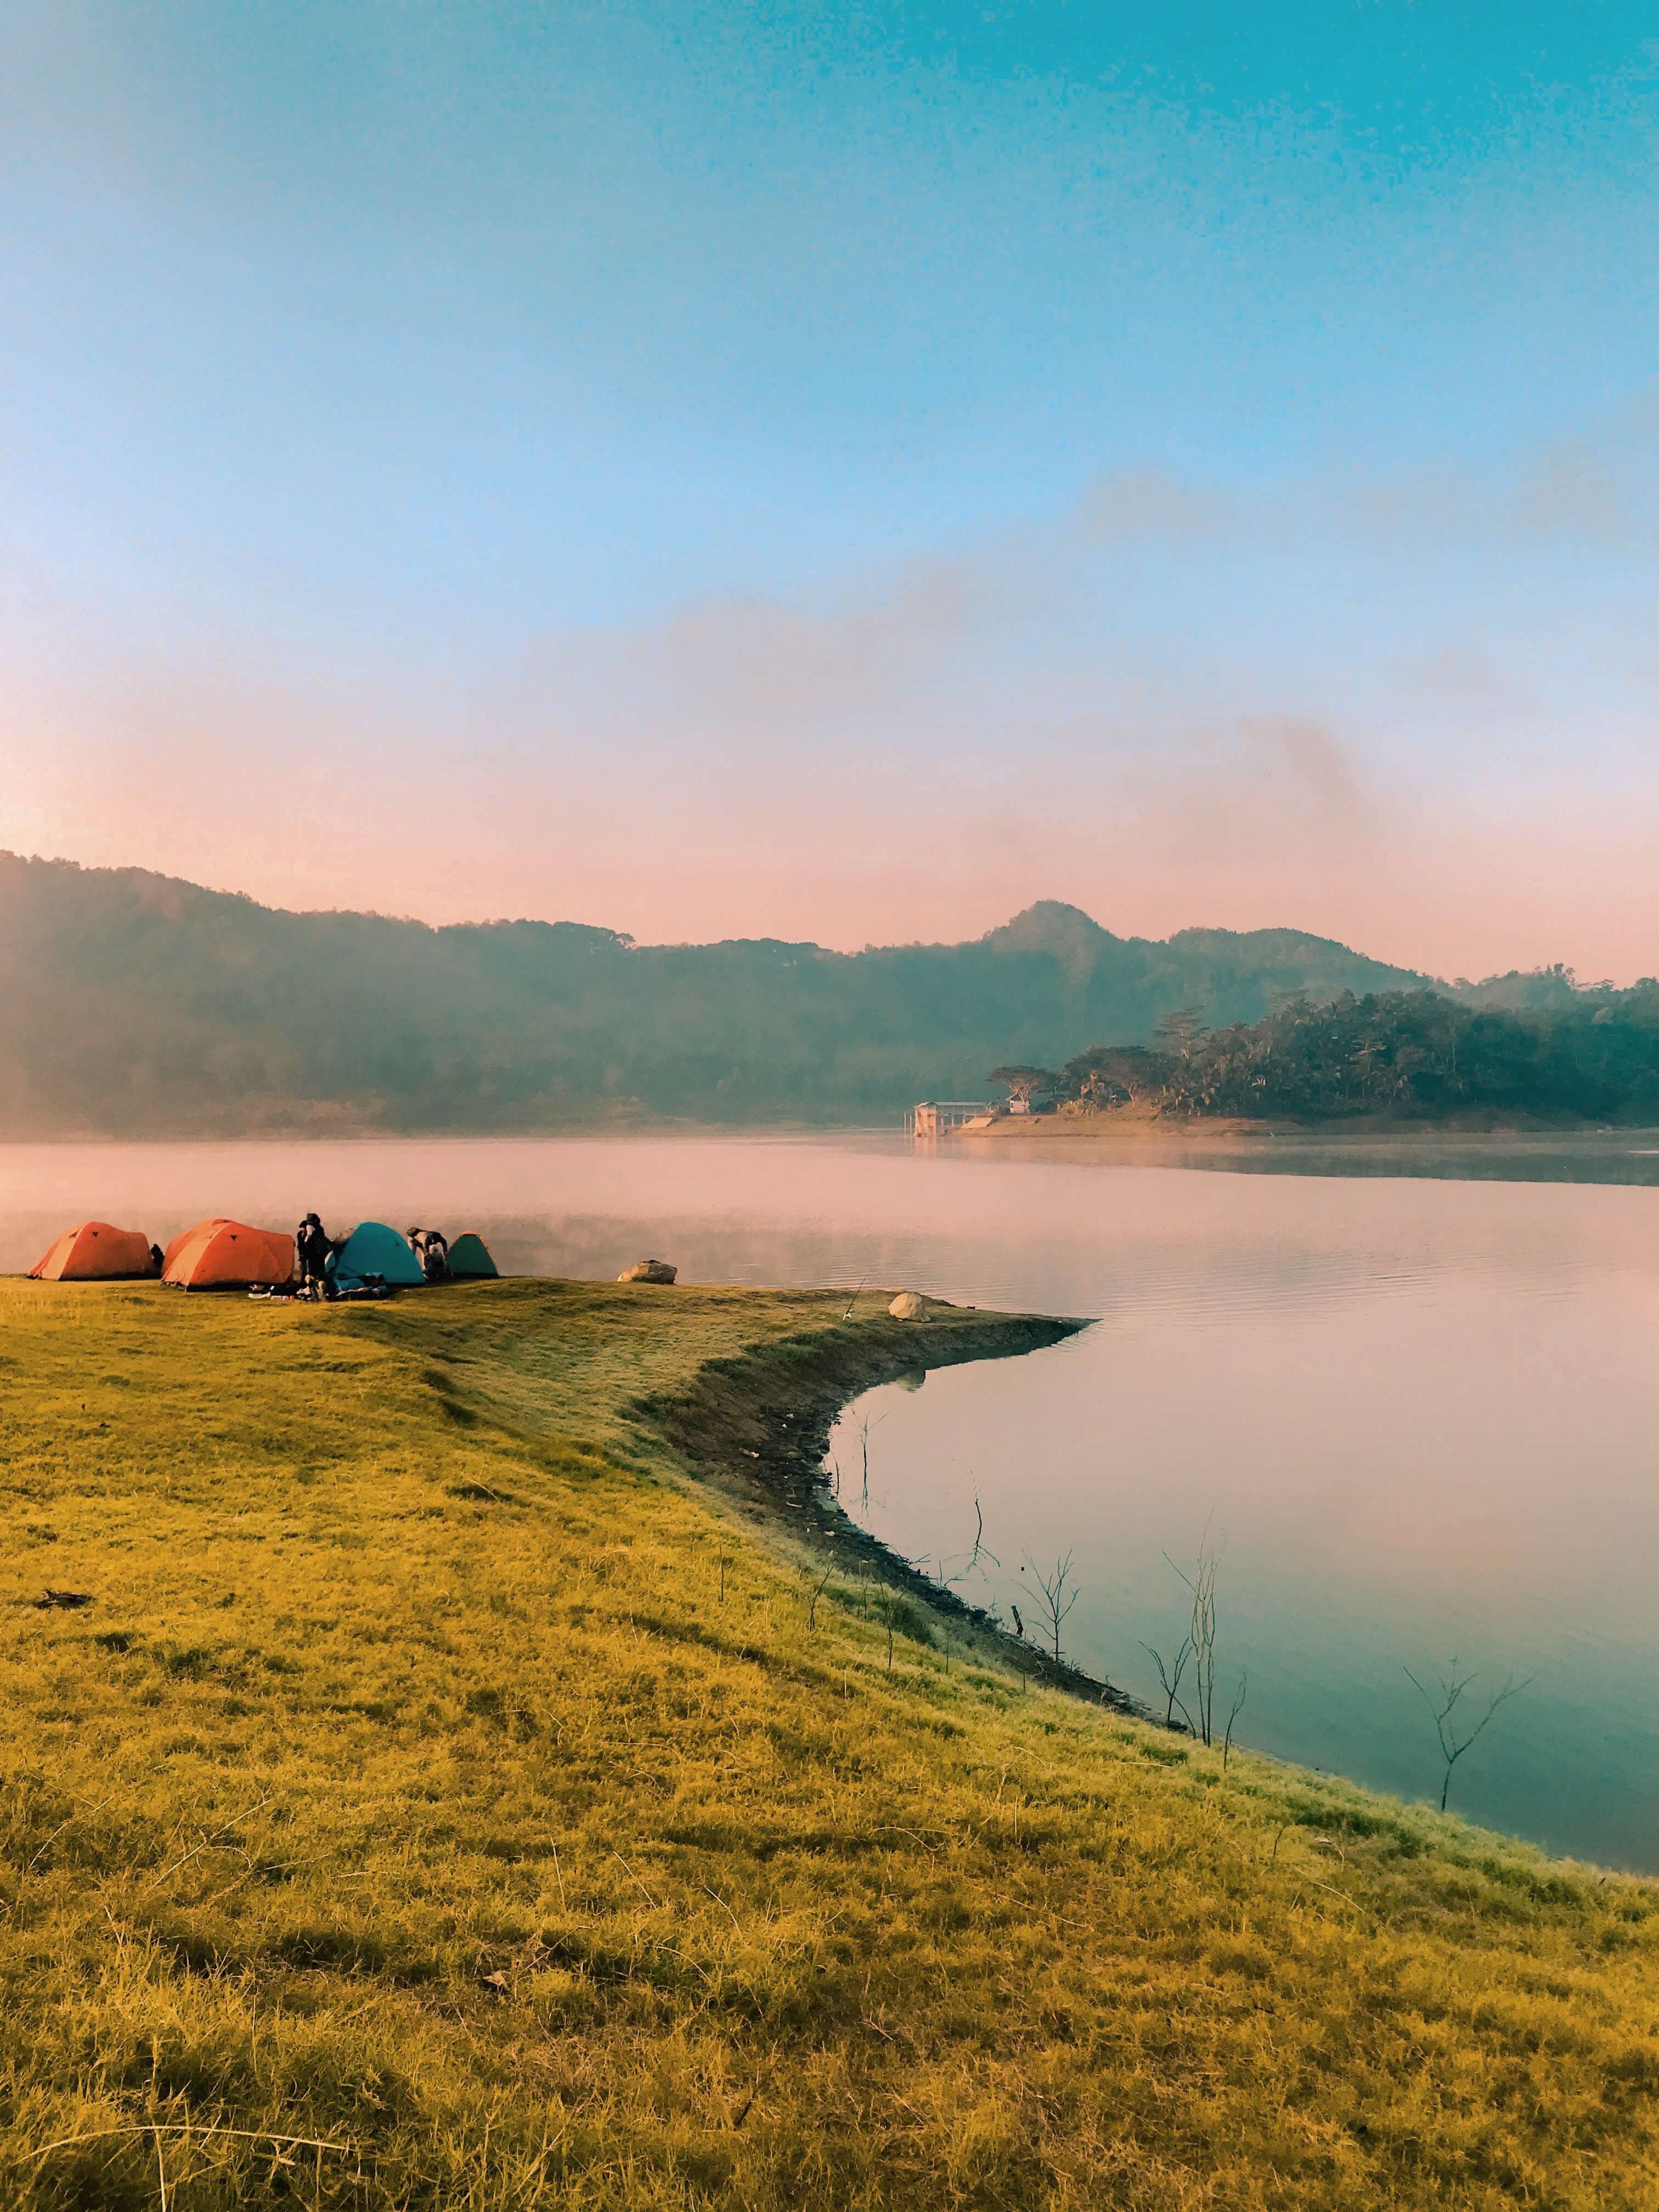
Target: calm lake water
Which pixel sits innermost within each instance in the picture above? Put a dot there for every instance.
(1413, 1391)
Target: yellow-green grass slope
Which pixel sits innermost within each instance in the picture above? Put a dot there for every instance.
(410, 1788)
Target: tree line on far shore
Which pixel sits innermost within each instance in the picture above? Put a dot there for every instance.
(222, 1017)
(132, 1006)
(1593, 1055)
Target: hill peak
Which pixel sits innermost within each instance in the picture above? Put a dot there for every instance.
(1051, 926)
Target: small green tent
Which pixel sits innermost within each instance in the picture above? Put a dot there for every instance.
(374, 1249)
(469, 1257)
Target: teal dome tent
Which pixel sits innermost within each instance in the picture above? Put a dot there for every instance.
(469, 1257)
(371, 1250)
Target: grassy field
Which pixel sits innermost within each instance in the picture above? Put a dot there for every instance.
(439, 1804)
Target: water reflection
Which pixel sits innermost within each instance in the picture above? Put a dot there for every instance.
(1420, 1411)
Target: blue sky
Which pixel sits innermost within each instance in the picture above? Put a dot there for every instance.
(842, 471)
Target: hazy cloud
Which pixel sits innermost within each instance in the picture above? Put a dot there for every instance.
(750, 666)
(1127, 503)
(1323, 768)
(1462, 675)
(1570, 491)
(1167, 702)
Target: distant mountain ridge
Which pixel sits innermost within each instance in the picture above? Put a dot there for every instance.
(1305, 961)
(137, 1004)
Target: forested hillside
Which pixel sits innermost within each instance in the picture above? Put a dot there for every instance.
(132, 1004)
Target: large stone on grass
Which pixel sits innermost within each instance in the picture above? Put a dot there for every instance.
(908, 1305)
(648, 1271)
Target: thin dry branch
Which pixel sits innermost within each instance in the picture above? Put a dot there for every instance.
(1057, 1594)
(1450, 1685)
(183, 2128)
(246, 1814)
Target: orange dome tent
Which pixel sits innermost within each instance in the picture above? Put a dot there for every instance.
(95, 1253)
(183, 1238)
(225, 1254)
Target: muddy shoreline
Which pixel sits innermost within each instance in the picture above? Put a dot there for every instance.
(756, 1429)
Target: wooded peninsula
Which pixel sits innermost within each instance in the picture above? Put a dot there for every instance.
(1589, 1054)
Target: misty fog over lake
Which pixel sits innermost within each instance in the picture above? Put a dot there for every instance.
(1416, 1404)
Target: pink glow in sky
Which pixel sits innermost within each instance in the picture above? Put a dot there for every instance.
(920, 752)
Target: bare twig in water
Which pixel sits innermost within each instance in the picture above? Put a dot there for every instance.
(1169, 1681)
(981, 1549)
(1442, 1703)
(1202, 1635)
(1200, 1640)
(1238, 1707)
(1058, 1597)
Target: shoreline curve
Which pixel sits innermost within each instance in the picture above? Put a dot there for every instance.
(755, 1426)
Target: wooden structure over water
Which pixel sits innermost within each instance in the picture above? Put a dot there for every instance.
(935, 1117)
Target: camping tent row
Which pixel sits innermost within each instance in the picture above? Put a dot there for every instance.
(373, 1252)
(223, 1254)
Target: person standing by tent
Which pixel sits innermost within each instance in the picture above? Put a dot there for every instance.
(312, 1246)
(434, 1258)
